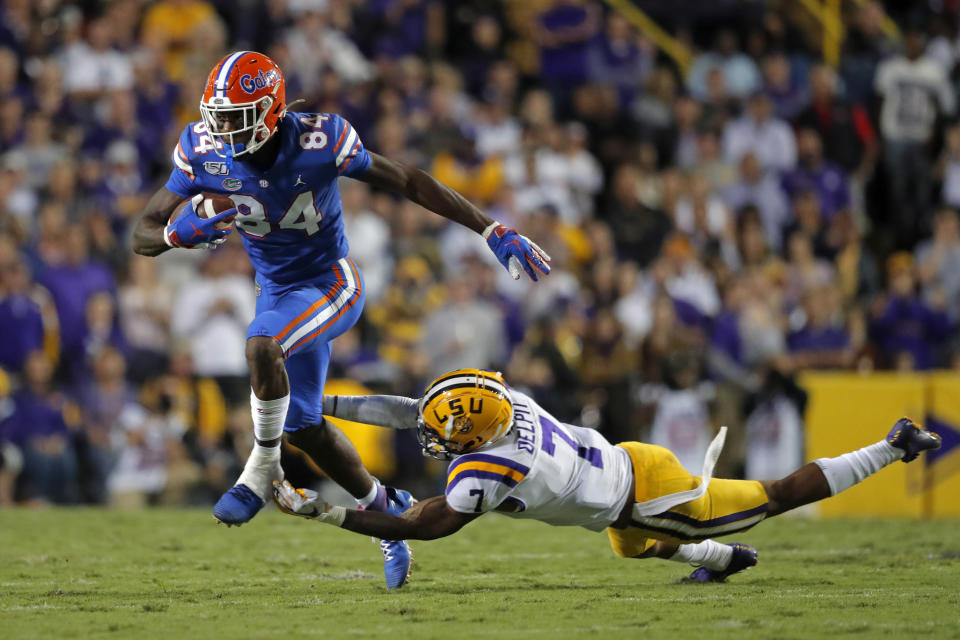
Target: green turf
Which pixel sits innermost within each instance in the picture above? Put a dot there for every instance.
(86, 573)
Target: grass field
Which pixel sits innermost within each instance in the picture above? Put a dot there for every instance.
(87, 573)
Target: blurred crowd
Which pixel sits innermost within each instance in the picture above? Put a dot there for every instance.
(715, 228)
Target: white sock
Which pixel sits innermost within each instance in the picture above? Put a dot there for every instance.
(262, 468)
(268, 416)
(709, 554)
(847, 470)
(368, 499)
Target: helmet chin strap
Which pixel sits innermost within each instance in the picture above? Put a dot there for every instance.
(228, 155)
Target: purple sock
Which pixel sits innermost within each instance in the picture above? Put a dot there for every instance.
(380, 502)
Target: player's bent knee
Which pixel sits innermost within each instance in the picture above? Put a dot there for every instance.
(314, 434)
(263, 351)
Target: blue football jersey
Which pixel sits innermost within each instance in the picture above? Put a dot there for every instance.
(290, 215)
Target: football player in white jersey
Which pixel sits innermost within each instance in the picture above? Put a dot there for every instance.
(510, 455)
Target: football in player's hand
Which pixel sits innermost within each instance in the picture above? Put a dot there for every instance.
(209, 206)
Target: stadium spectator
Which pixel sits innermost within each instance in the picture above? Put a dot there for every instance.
(143, 442)
(21, 319)
(314, 45)
(788, 96)
(38, 427)
(914, 91)
(759, 132)
(103, 398)
(822, 342)
(814, 173)
(762, 190)
(73, 278)
(618, 57)
(947, 169)
(738, 71)
(463, 330)
(849, 137)
(211, 314)
(681, 416)
(92, 67)
(564, 33)
(938, 262)
(907, 330)
(168, 29)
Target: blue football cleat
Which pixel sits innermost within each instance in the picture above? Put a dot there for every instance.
(912, 439)
(238, 505)
(744, 557)
(396, 553)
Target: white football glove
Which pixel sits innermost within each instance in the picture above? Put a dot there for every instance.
(306, 504)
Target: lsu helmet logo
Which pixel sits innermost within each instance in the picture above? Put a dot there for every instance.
(252, 84)
(462, 411)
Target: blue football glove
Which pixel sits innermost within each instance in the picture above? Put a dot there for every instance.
(190, 231)
(515, 251)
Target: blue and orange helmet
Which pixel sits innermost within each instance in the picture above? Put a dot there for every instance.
(249, 88)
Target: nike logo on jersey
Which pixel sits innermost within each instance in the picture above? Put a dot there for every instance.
(299, 180)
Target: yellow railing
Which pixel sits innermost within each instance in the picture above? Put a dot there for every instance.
(829, 16)
(890, 28)
(677, 51)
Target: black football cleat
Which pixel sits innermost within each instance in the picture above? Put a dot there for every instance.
(912, 439)
(744, 557)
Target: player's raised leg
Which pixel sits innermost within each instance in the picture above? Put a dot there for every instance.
(289, 351)
(290, 319)
(827, 477)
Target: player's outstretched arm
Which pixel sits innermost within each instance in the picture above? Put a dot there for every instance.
(513, 250)
(392, 412)
(148, 234)
(426, 520)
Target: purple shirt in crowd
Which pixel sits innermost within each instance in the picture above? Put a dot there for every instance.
(568, 62)
(828, 182)
(725, 336)
(33, 417)
(827, 338)
(909, 325)
(21, 326)
(71, 287)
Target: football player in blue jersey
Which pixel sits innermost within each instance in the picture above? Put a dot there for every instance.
(280, 169)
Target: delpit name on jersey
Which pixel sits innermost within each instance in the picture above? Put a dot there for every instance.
(526, 432)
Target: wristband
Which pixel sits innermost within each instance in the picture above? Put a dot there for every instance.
(335, 516)
(490, 227)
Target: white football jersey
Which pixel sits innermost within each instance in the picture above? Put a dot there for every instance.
(545, 470)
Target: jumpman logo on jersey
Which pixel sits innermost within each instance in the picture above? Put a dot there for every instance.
(299, 180)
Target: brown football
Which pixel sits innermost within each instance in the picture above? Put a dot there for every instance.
(209, 206)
